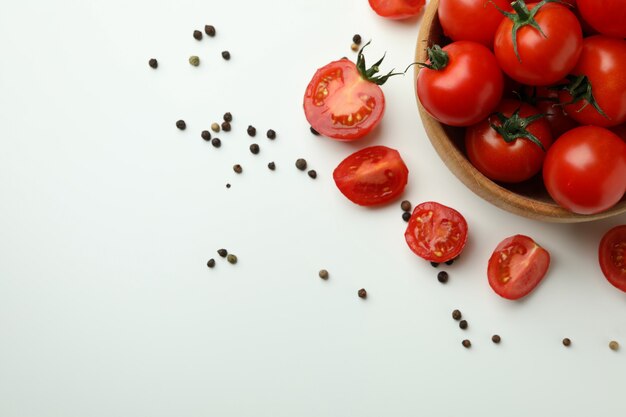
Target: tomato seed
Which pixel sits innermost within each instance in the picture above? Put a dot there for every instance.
(613, 345)
(228, 117)
(271, 134)
(456, 315)
(406, 216)
(153, 63)
(181, 124)
(226, 55)
(254, 148)
(362, 293)
(466, 343)
(231, 258)
(301, 164)
(226, 126)
(271, 166)
(442, 277)
(312, 173)
(237, 168)
(356, 39)
(567, 342)
(206, 135)
(323, 274)
(463, 324)
(216, 142)
(211, 263)
(405, 205)
(215, 127)
(251, 131)
(209, 30)
(495, 338)
(194, 60)
(222, 252)
(197, 35)
(315, 132)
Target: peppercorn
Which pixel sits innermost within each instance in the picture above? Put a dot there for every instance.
(301, 164)
(209, 30)
(406, 216)
(237, 168)
(226, 55)
(206, 135)
(567, 342)
(434, 264)
(356, 39)
(226, 126)
(405, 205)
(222, 252)
(271, 134)
(228, 117)
(442, 277)
(211, 263)
(231, 258)
(153, 63)
(227, 185)
(312, 173)
(251, 131)
(197, 35)
(613, 345)
(362, 293)
(315, 132)
(271, 166)
(181, 124)
(466, 343)
(194, 60)
(456, 315)
(495, 338)
(215, 127)
(354, 47)
(450, 262)
(254, 148)
(463, 324)
(216, 142)
(323, 274)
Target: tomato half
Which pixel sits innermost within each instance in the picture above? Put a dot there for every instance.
(585, 170)
(460, 84)
(372, 176)
(541, 58)
(471, 20)
(341, 104)
(510, 154)
(397, 9)
(436, 232)
(517, 266)
(612, 256)
(603, 64)
(607, 16)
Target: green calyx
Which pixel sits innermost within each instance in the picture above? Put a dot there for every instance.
(438, 58)
(579, 88)
(515, 127)
(369, 74)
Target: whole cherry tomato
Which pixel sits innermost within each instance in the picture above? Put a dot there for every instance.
(539, 44)
(546, 100)
(585, 170)
(606, 16)
(471, 20)
(397, 9)
(460, 83)
(612, 256)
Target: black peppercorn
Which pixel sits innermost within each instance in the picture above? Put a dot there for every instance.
(406, 216)
(206, 135)
(312, 173)
(226, 55)
(216, 142)
(567, 342)
(237, 168)
(356, 39)
(495, 338)
(323, 274)
(301, 164)
(271, 166)
(226, 126)
(442, 277)
(315, 132)
(405, 205)
(271, 134)
(362, 293)
(209, 30)
(434, 264)
(222, 252)
(197, 35)
(181, 124)
(153, 63)
(463, 324)
(456, 315)
(228, 117)
(254, 148)
(450, 262)
(211, 263)
(251, 131)
(466, 343)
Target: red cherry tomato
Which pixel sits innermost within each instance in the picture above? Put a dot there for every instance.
(510, 155)
(541, 59)
(517, 266)
(372, 176)
(603, 63)
(585, 170)
(471, 20)
(607, 16)
(620, 131)
(436, 232)
(464, 89)
(612, 256)
(397, 9)
(546, 100)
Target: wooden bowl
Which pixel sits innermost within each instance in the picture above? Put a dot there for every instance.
(529, 199)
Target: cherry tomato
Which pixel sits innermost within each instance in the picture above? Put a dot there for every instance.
(436, 232)
(612, 256)
(463, 84)
(372, 176)
(607, 16)
(601, 70)
(515, 151)
(397, 9)
(585, 170)
(517, 266)
(620, 131)
(546, 100)
(471, 20)
(535, 58)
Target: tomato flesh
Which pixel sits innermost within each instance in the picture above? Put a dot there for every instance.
(340, 104)
(612, 256)
(372, 176)
(397, 9)
(436, 232)
(516, 267)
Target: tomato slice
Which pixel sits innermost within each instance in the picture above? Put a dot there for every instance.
(397, 9)
(516, 266)
(372, 176)
(436, 232)
(612, 256)
(341, 104)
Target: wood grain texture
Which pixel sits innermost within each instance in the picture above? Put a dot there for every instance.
(529, 199)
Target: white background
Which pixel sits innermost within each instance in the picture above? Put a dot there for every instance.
(108, 215)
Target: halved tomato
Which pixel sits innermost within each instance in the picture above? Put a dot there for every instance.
(436, 232)
(516, 266)
(612, 256)
(397, 9)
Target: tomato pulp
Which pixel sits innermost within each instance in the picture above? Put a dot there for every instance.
(612, 256)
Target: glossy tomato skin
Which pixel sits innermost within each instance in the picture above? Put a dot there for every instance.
(397, 9)
(466, 90)
(510, 162)
(544, 59)
(607, 16)
(436, 232)
(546, 100)
(471, 20)
(517, 266)
(342, 105)
(603, 61)
(612, 256)
(372, 176)
(585, 170)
